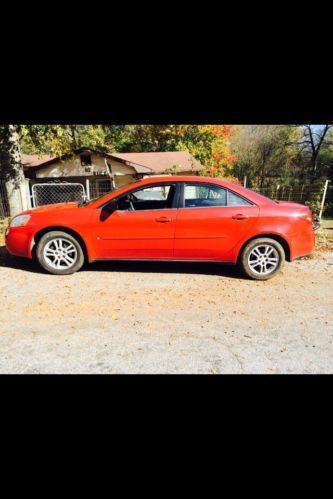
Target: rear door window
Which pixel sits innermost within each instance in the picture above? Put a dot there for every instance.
(198, 196)
(235, 200)
(203, 195)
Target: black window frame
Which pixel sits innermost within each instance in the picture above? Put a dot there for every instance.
(175, 201)
(83, 163)
(208, 184)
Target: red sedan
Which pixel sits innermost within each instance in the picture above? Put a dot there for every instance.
(167, 218)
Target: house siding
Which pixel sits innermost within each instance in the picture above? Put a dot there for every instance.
(73, 168)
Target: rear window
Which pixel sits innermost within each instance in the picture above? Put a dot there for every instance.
(262, 196)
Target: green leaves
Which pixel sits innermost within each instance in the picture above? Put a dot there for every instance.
(61, 139)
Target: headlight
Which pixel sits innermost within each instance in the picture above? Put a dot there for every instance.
(20, 220)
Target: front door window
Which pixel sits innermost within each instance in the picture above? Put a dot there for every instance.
(152, 198)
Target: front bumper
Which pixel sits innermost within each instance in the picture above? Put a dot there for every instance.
(18, 241)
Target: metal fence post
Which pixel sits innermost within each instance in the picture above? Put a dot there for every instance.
(302, 192)
(24, 197)
(88, 189)
(27, 193)
(323, 200)
(245, 180)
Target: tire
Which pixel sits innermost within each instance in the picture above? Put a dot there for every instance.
(59, 253)
(262, 259)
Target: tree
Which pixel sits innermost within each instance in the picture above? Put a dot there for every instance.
(40, 139)
(314, 143)
(266, 152)
(221, 161)
(60, 139)
(10, 166)
(209, 144)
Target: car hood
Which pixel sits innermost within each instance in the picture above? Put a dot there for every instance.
(51, 207)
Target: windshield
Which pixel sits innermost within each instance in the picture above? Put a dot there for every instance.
(86, 203)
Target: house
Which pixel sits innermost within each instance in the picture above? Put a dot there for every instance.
(100, 172)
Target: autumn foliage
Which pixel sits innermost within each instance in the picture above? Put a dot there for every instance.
(222, 160)
(210, 144)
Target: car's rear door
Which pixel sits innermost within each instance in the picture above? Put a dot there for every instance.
(147, 231)
(211, 221)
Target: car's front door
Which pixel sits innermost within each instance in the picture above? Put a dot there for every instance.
(142, 224)
(211, 221)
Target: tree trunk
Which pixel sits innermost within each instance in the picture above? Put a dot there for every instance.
(315, 148)
(73, 134)
(11, 168)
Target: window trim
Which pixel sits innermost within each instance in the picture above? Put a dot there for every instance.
(208, 184)
(175, 202)
(83, 163)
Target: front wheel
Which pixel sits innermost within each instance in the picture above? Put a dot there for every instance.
(59, 253)
(262, 259)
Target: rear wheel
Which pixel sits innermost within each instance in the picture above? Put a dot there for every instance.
(59, 253)
(262, 258)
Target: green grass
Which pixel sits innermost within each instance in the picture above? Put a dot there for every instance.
(3, 225)
(327, 223)
(324, 236)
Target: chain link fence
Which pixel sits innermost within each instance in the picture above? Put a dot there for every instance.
(4, 206)
(61, 192)
(51, 193)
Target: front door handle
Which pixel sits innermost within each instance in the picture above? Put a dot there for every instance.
(163, 220)
(239, 216)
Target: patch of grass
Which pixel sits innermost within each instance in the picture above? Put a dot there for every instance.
(327, 223)
(3, 225)
(324, 236)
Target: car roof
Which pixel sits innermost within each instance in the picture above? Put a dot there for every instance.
(251, 195)
(247, 193)
(178, 178)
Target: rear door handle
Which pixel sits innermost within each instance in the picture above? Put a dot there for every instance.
(163, 220)
(239, 216)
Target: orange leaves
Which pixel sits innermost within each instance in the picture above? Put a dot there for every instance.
(221, 160)
(223, 131)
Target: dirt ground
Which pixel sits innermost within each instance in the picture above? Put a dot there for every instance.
(166, 318)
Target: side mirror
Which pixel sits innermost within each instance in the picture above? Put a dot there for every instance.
(110, 207)
(108, 210)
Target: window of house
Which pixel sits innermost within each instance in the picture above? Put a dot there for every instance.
(85, 160)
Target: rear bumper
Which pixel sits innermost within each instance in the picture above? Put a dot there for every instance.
(18, 241)
(303, 246)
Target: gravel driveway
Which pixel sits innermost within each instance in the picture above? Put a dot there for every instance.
(166, 318)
